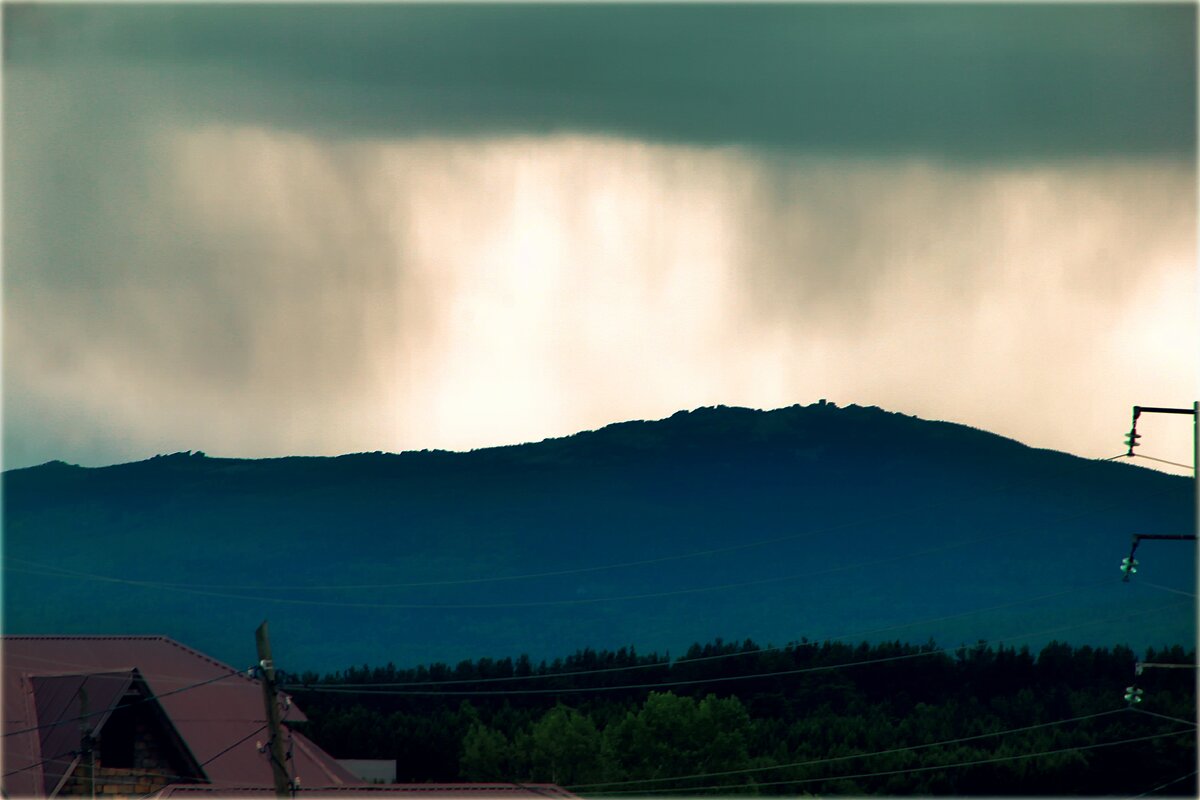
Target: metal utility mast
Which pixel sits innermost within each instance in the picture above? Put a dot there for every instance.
(1129, 564)
(1133, 694)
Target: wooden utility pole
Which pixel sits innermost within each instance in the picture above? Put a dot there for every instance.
(87, 747)
(283, 784)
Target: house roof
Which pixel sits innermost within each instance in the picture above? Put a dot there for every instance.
(217, 710)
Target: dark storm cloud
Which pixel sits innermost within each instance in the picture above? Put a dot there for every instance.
(946, 80)
(261, 229)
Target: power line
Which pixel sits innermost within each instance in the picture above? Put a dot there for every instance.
(38, 764)
(526, 604)
(502, 578)
(254, 732)
(719, 656)
(1166, 589)
(719, 679)
(1165, 785)
(548, 603)
(976, 762)
(1163, 461)
(116, 779)
(814, 762)
(553, 573)
(562, 602)
(128, 779)
(1191, 722)
(120, 779)
(576, 690)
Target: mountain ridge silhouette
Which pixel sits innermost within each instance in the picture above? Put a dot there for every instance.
(802, 521)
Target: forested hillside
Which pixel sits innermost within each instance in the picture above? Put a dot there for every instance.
(813, 521)
(892, 719)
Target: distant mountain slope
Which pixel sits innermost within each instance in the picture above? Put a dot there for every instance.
(809, 521)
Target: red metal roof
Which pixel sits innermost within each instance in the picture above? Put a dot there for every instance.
(210, 718)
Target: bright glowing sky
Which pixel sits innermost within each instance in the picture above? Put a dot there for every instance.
(265, 230)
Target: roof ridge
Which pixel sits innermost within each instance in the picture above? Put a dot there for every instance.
(83, 672)
(203, 656)
(129, 637)
(81, 636)
(303, 742)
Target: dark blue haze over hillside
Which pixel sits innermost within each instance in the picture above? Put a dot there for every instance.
(814, 522)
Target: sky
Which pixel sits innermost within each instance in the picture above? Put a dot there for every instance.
(265, 230)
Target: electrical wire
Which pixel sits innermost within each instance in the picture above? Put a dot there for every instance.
(255, 732)
(752, 676)
(494, 579)
(527, 604)
(1163, 461)
(561, 602)
(576, 690)
(659, 560)
(1191, 722)
(814, 762)
(553, 573)
(108, 779)
(297, 689)
(549, 603)
(700, 659)
(119, 779)
(1165, 785)
(38, 764)
(134, 779)
(1166, 588)
(646, 561)
(908, 770)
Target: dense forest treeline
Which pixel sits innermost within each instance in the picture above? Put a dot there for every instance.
(643, 722)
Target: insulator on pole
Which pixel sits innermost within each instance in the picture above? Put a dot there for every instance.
(1133, 695)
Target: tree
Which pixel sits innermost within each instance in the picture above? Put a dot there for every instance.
(565, 747)
(487, 755)
(673, 735)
